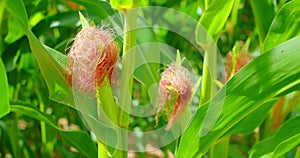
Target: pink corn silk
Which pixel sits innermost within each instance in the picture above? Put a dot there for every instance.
(175, 80)
(93, 56)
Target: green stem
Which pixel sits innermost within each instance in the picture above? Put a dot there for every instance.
(129, 44)
(102, 150)
(208, 75)
(42, 124)
(102, 104)
(127, 65)
(208, 89)
(297, 152)
(106, 104)
(45, 151)
(18, 84)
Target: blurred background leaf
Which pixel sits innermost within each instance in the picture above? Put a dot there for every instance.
(4, 100)
(264, 12)
(78, 139)
(17, 10)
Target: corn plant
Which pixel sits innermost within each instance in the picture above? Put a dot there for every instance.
(126, 78)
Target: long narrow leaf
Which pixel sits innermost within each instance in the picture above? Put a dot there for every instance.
(264, 12)
(54, 74)
(79, 139)
(215, 16)
(286, 139)
(247, 91)
(284, 26)
(17, 9)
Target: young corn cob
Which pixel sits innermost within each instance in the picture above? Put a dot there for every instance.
(92, 57)
(174, 83)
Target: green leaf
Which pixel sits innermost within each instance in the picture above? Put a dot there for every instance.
(65, 19)
(60, 58)
(147, 63)
(264, 12)
(284, 26)
(248, 124)
(4, 98)
(83, 20)
(78, 139)
(214, 17)
(106, 101)
(2, 8)
(100, 8)
(53, 72)
(285, 139)
(122, 4)
(246, 92)
(17, 10)
(15, 31)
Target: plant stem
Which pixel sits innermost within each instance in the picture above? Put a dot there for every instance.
(106, 104)
(42, 109)
(208, 89)
(208, 75)
(220, 149)
(297, 152)
(129, 44)
(102, 150)
(46, 152)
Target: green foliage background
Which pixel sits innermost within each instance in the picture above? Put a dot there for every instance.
(260, 116)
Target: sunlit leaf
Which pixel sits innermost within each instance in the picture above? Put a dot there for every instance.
(255, 118)
(122, 4)
(246, 92)
(284, 26)
(214, 17)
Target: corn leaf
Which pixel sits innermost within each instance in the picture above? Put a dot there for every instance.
(122, 4)
(215, 16)
(53, 73)
(78, 139)
(284, 26)
(246, 92)
(285, 139)
(264, 12)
